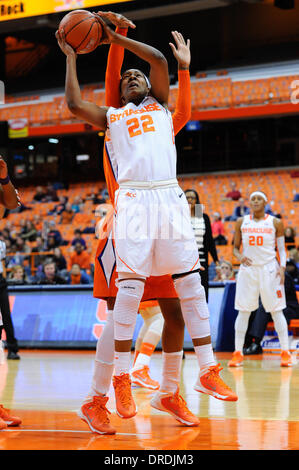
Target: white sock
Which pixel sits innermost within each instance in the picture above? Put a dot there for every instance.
(122, 361)
(141, 361)
(205, 356)
(241, 326)
(171, 371)
(104, 360)
(281, 328)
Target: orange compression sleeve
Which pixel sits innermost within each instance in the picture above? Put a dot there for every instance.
(182, 112)
(112, 78)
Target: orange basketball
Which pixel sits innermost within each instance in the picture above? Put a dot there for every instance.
(82, 31)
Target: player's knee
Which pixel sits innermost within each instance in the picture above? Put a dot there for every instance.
(189, 288)
(194, 305)
(130, 292)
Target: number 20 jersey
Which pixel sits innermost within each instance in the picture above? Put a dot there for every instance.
(140, 142)
(258, 239)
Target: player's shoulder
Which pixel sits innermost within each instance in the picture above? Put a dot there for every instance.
(277, 222)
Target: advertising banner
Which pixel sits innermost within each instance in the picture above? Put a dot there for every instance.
(15, 9)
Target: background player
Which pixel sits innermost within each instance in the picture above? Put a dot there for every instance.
(260, 274)
(9, 199)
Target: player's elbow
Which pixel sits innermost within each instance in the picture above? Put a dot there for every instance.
(160, 58)
(74, 106)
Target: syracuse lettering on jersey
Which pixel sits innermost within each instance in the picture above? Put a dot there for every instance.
(257, 230)
(129, 112)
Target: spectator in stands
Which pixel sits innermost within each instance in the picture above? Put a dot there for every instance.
(40, 195)
(16, 257)
(218, 230)
(294, 255)
(38, 223)
(77, 204)
(29, 232)
(78, 276)
(239, 211)
(78, 238)
(289, 237)
(58, 210)
(39, 248)
(96, 198)
(80, 257)
(22, 245)
(259, 318)
(49, 275)
(293, 270)
(296, 197)
(8, 235)
(17, 276)
(224, 272)
(67, 215)
(203, 235)
(53, 234)
(234, 194)
(51, 194)
(59, 259)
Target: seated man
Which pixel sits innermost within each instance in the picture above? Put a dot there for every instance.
(239, 211)
(260, 318)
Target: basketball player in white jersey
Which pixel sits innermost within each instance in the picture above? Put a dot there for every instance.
(153, 233)
(260, 274)
(9, 199)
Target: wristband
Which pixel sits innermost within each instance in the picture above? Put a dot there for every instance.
(5, 180)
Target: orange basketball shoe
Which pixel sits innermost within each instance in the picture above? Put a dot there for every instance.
(286, 359)
(210, 382)
(3, 424)
(236, 360)
(95, 414)
(174, 404)
(141, 377)
(8, 419)
(125, 405)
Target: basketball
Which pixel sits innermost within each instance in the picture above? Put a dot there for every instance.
(82, 31)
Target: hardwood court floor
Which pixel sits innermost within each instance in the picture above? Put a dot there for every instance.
(46, 388)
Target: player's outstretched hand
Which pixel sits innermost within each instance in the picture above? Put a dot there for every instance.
(116, 18)
(3, 168)
(64, 46)
(181, 50)
(107, 33)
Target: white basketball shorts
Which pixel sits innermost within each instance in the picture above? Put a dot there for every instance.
(152, 231)
(255, 281)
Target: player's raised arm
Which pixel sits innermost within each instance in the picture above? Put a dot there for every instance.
(159, 77)
(85, 110)
(181, 51)
(115, 57)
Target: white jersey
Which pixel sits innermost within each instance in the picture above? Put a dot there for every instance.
(258, 239)
(140, 142)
